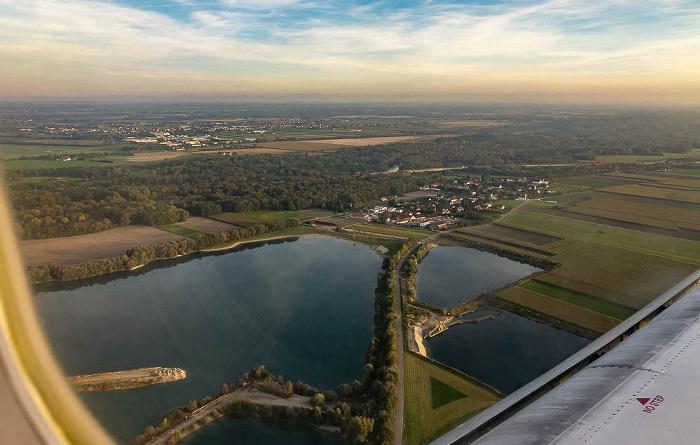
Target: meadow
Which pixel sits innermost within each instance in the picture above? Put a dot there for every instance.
(422, 421)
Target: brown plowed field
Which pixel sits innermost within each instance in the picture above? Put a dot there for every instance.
(526, 236)
(206, 225)
(79, 249)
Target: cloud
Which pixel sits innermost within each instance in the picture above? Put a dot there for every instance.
(299, 45)
(260, 4)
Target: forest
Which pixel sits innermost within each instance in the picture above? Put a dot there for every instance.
(79, 200)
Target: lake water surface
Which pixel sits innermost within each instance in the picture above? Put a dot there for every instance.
(255, 431)
(506, 352)
(303, 309)
(450, 275)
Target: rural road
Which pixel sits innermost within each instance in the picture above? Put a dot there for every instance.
(399, 421)
(398, 425)
(247, 393)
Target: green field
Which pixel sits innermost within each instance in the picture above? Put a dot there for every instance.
(10, 151)
(508, 203)
(585, 301)
(668, 247)
(238, 219)
(617, 159)
(423, 422)
(686, 171)
(179, 230)
(442, 393)
(262, 216)
(662, 213)
(38, 164)
(302, 215)
(392, 244)
(594, 183)
(559, 309)
(658, 192)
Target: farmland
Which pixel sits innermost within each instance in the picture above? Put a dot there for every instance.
(11, 151)
(179, 230)
(650, 191)
(324, 145)
(603, 273)
(262, 216)
(663, 246)
(402, 232)
(423, 422)
(579, 299)
(527, 236)
(40, 164)
(92, 247)
(559, 309)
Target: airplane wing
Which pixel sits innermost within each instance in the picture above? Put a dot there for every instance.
(643, 391)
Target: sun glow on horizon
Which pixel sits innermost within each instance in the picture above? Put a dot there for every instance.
(558, 50)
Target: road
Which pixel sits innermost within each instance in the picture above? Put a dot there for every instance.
(398, 421)
(398, 425)
(247, 393)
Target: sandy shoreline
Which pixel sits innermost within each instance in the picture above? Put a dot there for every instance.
(416, 340)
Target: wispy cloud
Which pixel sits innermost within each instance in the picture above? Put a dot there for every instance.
(325, 45)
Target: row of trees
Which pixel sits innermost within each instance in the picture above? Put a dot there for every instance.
(364, 411)
(141, 255)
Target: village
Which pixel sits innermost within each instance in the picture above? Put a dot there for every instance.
(441, 206)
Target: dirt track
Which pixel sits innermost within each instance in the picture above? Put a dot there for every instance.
(249, 394)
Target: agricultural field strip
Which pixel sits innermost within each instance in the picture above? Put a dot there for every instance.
(389, 230)
(526, 236)
(654, 192)
(572, 278)
(587, 288)
(688, 187)
(632, 218)
(179, 230)
(12, 151)
(631, 278)
(663, 246)
(491, 242)
(508, 242)
(562, 310)
(651, 211)
(576, 298)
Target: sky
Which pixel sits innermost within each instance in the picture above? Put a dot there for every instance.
(627, 51)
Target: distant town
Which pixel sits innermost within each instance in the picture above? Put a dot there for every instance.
(439, 206)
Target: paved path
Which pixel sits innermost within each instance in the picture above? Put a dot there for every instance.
(247, 393)
(398, 422)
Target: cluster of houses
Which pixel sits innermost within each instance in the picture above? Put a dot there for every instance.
(440, 206)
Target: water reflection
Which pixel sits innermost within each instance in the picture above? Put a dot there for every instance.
(451, 275)
(506, 352)
(303, 309)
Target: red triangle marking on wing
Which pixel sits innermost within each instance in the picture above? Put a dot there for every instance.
(643, 400)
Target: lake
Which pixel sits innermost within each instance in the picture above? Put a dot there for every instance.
(506, 352)
(304, 309)
(450, 275)
(255, 431)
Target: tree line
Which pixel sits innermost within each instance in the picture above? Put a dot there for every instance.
(91, 199)
(141, 255)
(363, 410)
